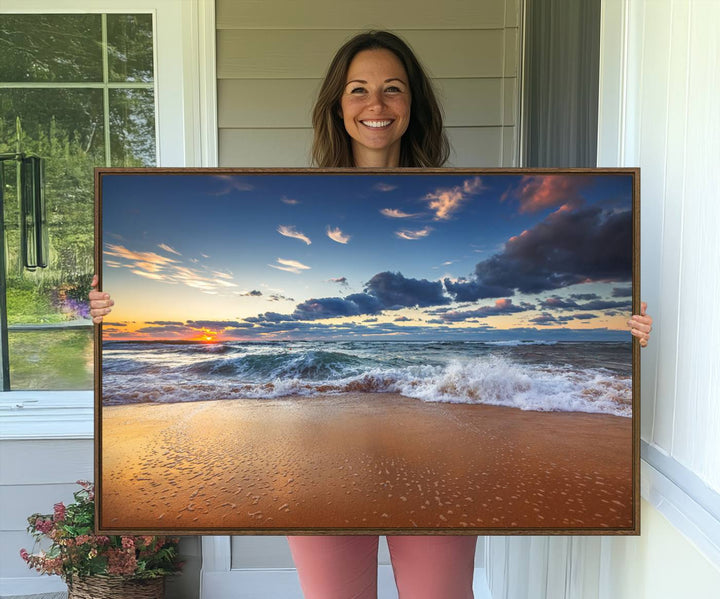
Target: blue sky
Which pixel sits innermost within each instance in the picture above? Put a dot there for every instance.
(430, 254)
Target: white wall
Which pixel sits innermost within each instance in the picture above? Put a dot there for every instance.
(660, 84)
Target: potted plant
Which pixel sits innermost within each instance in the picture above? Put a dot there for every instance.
(98, 566)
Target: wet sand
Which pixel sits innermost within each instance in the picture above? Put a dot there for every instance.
(361, 461)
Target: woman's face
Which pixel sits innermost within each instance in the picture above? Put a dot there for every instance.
(375, 107)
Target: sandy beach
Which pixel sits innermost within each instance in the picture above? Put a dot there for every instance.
(361, 461)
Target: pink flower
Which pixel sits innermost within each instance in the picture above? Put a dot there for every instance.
(121, 562)
(44, 526)
(24, 555)
(128, 543)
(60, 510)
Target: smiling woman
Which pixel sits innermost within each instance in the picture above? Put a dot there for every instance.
(375, 96)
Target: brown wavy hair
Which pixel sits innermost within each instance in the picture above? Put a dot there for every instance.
(423, 144)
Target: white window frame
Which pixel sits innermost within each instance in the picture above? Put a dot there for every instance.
(186, 130)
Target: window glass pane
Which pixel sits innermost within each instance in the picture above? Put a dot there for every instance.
(132, 127)
(38, 48)
(130, 47)
(54, 121)
(53, 359)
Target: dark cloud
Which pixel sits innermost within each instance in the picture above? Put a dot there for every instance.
(501, 306)
(604, 305)
(213, 324)
(367, 304)
(330, 307)
(276, 297)
(545, 319)
(584, 296)
(175, 329)
(326, 307)
(402, 319)
(395, 290)
(470, 291)
(559, 303)
(622, 292)
(253, 293)
(164, 322)
(340, 280)
(568, 247)
(269, 317)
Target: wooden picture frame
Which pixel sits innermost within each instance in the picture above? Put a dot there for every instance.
(345, 351)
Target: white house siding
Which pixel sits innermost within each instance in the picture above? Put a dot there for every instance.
(660, 81)
(34, 475)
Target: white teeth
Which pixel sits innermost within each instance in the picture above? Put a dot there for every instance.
(376, 123)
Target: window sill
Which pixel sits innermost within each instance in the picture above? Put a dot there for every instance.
(46, 415)
(689, 505)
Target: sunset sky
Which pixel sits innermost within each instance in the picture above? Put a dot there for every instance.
(303, 256)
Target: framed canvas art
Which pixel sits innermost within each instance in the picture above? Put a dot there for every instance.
(345, 351)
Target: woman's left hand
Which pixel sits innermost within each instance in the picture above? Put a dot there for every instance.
(641, 325)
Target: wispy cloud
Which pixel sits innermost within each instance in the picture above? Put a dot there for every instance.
(231, 183)
(167, 248)
(289, 201)
(337, 235)
(384, 187)
(290, 231)
(445, 202)
(413, 235)
(395, 213)
(154, 266)
(340, 281)
(292, 266)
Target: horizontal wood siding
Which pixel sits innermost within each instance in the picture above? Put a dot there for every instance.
(271, 59)
(35, 475)
(354, 14)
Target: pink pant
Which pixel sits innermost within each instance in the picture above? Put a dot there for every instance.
(345, 567)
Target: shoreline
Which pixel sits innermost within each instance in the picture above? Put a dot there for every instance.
(362, 461)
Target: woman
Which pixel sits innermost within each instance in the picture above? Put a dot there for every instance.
(376, 109)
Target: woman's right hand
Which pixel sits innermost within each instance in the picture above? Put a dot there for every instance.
(100, 302)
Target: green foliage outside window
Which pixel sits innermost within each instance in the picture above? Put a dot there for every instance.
(81, 89)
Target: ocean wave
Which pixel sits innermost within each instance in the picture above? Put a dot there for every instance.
(491, 380)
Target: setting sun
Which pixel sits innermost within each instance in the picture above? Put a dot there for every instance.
(206, 336)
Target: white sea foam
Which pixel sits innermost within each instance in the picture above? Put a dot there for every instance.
(470, 373)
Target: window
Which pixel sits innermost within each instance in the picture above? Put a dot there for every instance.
(77, 90)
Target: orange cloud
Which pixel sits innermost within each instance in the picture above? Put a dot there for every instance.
(537, 192)
(337, 235)
(445, 202)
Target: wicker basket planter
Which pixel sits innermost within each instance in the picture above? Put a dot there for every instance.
(116, 587)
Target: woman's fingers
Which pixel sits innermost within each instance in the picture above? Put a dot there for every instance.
(100, 302)
(641, 325)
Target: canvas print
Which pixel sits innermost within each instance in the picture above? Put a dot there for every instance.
(338, 351)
